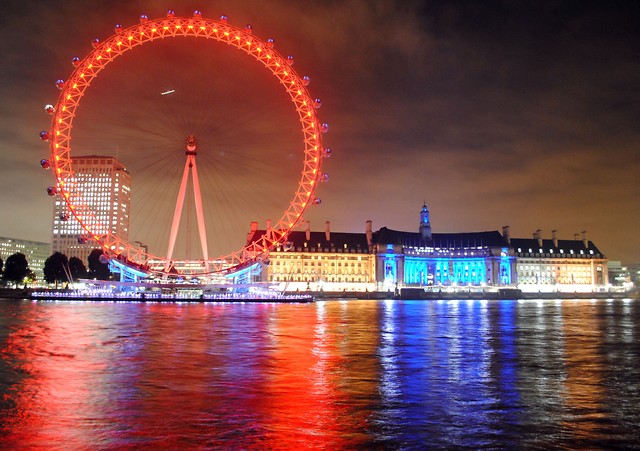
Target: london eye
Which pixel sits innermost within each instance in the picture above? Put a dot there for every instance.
(247, 157)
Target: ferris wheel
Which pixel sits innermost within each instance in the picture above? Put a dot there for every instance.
(241, 38)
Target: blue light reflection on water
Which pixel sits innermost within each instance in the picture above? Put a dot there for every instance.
(437, 385)
(328, 375)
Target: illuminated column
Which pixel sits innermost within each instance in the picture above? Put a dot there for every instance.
(189, 166)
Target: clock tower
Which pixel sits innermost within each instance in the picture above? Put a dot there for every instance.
(425, 225)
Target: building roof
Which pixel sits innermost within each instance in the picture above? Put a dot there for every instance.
(338, 241)
(84, 160)
(357, 242)
(440, 240)
(566, 246)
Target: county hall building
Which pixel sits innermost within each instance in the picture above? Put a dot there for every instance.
(388, 260)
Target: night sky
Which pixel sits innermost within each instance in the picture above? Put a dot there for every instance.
(495, 113)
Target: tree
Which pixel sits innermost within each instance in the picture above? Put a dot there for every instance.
(1, 264)
(97, 269)
(77, 269)
(55, 268)
(16, 268)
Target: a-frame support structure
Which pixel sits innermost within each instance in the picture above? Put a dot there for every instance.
(189, 166)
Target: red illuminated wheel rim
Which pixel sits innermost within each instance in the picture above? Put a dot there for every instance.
(104, 52)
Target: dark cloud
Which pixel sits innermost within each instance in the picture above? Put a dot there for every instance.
(495, 113)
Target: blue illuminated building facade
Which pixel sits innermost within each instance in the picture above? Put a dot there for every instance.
(388, 260)
(424, 258)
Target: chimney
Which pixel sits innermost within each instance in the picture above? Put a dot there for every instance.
(538, 236)
(307, 231)
(506, 235)
(327, 231)
(585, 241)
(554, 237)
(576, 236)
(369, 232)
(252, 231)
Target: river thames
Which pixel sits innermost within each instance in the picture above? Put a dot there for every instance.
(324, 375)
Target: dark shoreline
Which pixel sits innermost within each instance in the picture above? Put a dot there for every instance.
(404, 294)
(507, 294)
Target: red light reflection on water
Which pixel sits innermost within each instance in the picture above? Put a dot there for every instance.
(310, 402)
(301, 403)
(61, 363)
(170, 376)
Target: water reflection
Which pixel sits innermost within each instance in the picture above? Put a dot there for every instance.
(438, 385)
(329, 375)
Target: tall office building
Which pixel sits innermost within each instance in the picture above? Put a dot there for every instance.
(106, 188)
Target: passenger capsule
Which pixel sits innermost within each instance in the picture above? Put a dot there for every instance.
(143, 18)
(317, 103)
(104, 259)
(45, 164)
(192, 143)
(327, 153)
(270, 42)
(317, 201)
(224, 19)
(248, 29)
(324, 178)
(49, 108)
(75, 61)
(63, 217)
(52, 191)
(118, 28)
(171, 13)
(197, 14)
(306, 80)
(324, 128)
(289, 60)
(59, 84)
(95, 43)
(44, 135)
